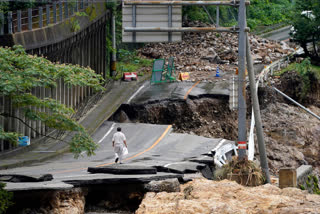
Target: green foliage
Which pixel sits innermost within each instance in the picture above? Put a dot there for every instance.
(265, 12)
(304, 69)
(302, 187)
(21, 72)
(74, 21)
(307, 28)
(5, 199)
(260, 12)
(91, 12)
(128, 61)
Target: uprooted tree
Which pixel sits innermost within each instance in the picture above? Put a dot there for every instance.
(20, 73)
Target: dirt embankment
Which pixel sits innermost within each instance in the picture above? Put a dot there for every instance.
(208, 117)
(204, 196)
(292, 135)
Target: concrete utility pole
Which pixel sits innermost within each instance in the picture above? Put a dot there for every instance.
(242, 130)
(114, 48)
(256, 111)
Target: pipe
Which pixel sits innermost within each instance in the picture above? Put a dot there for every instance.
(185, 3)
(183, 29)
(295, 102)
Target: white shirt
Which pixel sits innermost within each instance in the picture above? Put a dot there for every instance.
(118, 138)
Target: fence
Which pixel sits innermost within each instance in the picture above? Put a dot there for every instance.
(43, 16)
(71, 96)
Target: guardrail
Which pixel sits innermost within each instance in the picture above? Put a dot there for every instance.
(261, 78)
(43, 16)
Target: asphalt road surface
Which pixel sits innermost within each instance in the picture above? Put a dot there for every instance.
(279, 35)
(148, 145)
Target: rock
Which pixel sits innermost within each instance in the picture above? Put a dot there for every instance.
(198, 50)
(204, 196)
(169, 185)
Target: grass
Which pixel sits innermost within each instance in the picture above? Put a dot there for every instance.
(133, 64)
(244, 172)
(293, 67)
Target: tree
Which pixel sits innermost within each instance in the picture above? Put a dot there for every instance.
(307, 26)
(21, 72)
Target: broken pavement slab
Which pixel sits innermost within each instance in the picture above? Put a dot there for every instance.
(123, 169)
(184, 167)
(18, 178)
(27, 186)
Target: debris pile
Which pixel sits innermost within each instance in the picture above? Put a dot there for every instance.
(205, 196)
(203, 52)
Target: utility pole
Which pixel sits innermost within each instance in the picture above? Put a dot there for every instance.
(256, 111)
(242, 130)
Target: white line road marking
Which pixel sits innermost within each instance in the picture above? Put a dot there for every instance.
(135, 93)
(113, 124)
(107, 133)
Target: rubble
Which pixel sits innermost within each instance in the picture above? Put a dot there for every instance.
(201, 53)
(204, 196)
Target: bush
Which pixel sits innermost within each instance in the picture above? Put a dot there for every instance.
(5, 198)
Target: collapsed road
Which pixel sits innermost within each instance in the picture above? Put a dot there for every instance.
(155, 152)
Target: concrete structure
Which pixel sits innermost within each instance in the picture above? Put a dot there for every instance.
(287, 178)
(78, 38)
(151, 16)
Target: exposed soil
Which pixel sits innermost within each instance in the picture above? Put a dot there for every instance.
(208, 117)
(291, 135)
(204, 196)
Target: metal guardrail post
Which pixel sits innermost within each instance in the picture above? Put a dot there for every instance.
(19, 21)
(170, 22)
(54, 10)
(29, 18)
(71, 10)
(76, 9)
(48, 14)
(60, 11)
(1, 23)
(134, 10)
(217, 18)
(40, 17)
(81, 4)
(10, 22)
(66, 10)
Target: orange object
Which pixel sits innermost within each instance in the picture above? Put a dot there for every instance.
(184, 76)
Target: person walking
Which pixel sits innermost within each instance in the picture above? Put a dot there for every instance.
(119, 144)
